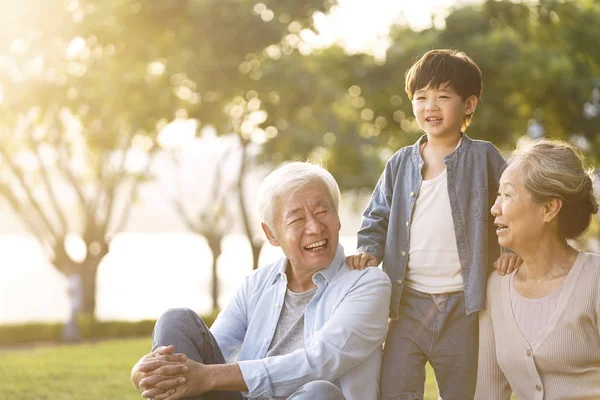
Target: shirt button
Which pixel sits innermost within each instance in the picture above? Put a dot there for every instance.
(399, 281)
(406, 223)
(266, 341)
(403, 253)
(538, 388)
(528, 353)
(412, 194)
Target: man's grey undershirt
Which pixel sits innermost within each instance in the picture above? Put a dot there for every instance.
(289, 334)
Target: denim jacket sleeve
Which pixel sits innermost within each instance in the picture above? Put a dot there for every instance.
(355, 330)
(497, 167)
(373, 230)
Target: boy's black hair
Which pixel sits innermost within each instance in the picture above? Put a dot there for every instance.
(444, 65)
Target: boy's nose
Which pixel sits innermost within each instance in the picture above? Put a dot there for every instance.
(430, 105)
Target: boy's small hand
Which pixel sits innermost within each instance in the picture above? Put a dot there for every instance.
(361, 261)
(507, 263)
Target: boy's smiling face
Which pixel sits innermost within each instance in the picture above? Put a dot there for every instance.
(440, 111)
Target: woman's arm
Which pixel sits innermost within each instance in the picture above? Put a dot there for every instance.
(491, 382)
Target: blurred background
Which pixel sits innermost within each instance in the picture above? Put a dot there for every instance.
(134, 133)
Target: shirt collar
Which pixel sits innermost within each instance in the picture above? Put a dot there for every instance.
(327, 273)
(462, 145)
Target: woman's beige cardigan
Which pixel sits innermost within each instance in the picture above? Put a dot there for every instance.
(563, 362)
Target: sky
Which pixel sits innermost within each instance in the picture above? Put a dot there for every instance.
(362, 25)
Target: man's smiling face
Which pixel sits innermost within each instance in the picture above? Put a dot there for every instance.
(307, 227)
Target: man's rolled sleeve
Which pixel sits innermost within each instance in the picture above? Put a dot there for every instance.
(256, 377)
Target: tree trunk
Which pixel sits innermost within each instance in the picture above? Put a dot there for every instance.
(215, 247)
(256, 248)
(87, 272)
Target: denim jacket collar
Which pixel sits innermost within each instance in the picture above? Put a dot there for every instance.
(449, 159)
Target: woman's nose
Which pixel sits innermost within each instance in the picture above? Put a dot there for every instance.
(496, 209)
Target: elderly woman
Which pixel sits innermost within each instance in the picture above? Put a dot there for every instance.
(540, 332)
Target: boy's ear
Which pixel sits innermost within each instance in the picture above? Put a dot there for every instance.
(470, 105)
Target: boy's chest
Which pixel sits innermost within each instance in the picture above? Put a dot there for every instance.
(432, 168)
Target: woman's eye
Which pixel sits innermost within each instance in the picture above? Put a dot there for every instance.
(444, 97)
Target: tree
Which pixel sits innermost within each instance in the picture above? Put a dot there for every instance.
(93, 86)
(213, 221)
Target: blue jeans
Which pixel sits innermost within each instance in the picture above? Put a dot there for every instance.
(185, 330)
(432, 328)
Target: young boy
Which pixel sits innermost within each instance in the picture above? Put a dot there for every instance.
(428, 221)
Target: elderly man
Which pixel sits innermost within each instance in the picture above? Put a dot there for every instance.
(305, 327)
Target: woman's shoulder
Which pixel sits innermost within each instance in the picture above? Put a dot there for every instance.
(591, 266)
(495, 285)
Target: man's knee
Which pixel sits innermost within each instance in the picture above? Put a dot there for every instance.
(178, 321)
(178, 315)
(322, 390)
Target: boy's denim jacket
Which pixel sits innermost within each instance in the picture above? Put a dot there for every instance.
(474, 170)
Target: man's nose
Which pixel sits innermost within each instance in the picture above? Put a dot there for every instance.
(314, 225)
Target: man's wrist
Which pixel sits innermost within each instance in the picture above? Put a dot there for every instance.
(225, 377)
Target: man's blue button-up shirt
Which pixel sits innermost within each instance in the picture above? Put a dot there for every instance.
(345, 324)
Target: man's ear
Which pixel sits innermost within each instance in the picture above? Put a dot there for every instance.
(551, 209)
(471, 105)
(269, 234)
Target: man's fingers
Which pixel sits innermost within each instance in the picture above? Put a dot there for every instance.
(156, 379)
(154, 363)
(171, 369)
(171, 383)
(152, 393)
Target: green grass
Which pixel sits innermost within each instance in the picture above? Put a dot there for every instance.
(92, 371)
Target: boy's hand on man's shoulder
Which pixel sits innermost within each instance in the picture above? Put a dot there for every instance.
(361, 261)
(507, 263)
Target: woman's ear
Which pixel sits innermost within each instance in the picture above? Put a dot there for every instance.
(551, 209)
(270, 236)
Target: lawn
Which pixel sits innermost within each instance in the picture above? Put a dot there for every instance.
(92, 371)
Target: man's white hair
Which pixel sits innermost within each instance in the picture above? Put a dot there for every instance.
(287, 178)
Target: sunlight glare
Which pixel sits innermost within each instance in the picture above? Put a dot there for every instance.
(76, 47)
(177, 134)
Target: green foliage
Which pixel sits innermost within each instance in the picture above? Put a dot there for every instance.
(91, 371)
(540, 62)
(89, 328)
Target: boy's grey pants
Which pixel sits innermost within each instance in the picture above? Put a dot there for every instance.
(434, 328)
(185, 330)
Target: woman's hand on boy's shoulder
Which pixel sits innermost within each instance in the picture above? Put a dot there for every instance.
(507, 263)
(361, 261)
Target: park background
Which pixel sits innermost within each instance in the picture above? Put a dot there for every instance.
(134, 134)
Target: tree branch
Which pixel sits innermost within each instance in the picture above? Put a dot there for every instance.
(36, 205)
(129, 202)
(27, 219)
(75, 184)
(48, 185)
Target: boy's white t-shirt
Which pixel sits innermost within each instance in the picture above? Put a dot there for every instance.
(433, 263)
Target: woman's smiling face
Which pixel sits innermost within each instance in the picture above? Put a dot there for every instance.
(519, 220)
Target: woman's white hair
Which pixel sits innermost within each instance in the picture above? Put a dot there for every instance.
(287, 178)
